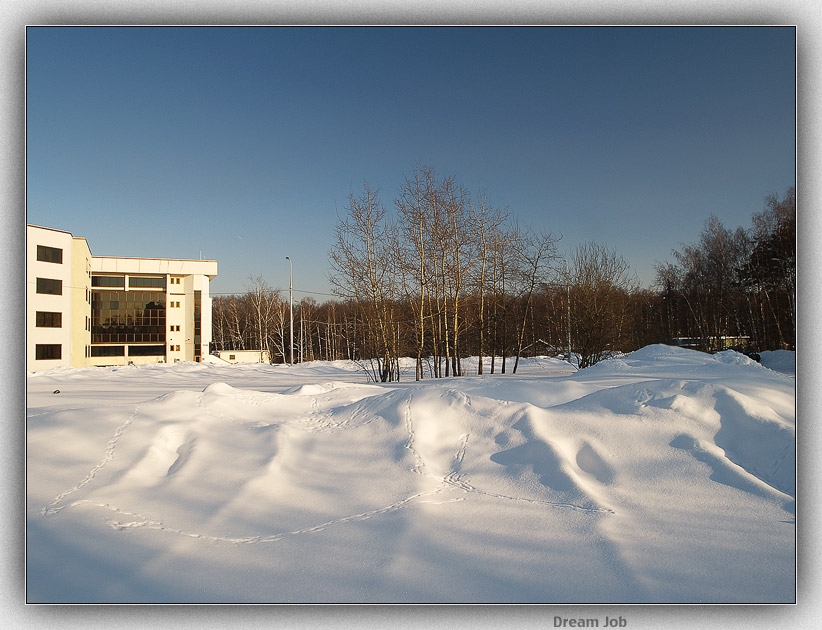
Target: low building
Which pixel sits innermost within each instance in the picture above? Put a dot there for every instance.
(84, 310)
(244, 356)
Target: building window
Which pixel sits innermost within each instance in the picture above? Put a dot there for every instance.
(108, 281)
(46, 319)
(232, 357)
(146, 351)
(108, 351)
(47, 351)
(49, 254)
(141, 282)
(49, 286)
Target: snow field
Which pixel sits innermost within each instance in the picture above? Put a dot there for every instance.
(665, 475)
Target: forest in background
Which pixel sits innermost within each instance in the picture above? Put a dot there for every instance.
(445, 276)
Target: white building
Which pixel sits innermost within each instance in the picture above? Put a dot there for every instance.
(244, 356)
(84, 310)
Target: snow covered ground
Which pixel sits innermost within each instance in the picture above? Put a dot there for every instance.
(665, 475)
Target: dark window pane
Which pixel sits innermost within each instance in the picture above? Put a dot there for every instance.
(108, 281)
(146, 351)
(142, 282)
(49, 254)
(49, 286)
(46, 319)
(108, 351)
(48, 351)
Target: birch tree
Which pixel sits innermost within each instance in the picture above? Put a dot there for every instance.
(535, 254)
(362, 271)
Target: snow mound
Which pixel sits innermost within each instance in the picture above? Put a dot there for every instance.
(732, 357)
(315, 389)
(753, 436)
(220, 389)
(662, 352)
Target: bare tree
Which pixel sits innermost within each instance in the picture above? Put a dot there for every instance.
(535, 254)
(413, 206)
(600, 282)
(364, 270)
(263, 302)
(458, 248)
(486, 228)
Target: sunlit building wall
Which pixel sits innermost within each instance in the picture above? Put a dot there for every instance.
(85, 310)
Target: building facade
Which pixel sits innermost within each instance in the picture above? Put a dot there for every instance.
(84, 310)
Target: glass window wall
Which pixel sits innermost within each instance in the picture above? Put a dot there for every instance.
(128, 317)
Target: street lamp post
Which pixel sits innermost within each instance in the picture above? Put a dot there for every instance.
(568, 300)
(291, 304)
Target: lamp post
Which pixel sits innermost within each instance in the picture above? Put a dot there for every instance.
(291, 304)
(568, 299)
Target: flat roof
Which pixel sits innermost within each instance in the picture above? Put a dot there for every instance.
(40, 227)
(196, 260)
(180, 266)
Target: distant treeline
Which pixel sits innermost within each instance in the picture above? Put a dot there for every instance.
(446, 276)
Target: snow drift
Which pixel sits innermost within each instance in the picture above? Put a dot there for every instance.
(666, 475)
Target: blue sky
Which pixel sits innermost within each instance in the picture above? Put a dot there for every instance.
(243, 143)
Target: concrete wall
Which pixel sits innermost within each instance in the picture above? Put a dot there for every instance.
(80, 301)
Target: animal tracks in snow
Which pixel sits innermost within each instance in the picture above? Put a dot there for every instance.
(450, 441)
(171, 463)
(54, 506)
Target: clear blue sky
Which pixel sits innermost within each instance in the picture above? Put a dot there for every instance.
(244, 143)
